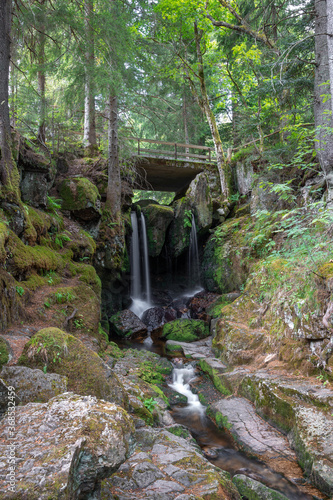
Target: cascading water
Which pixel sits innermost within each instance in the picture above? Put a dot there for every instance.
(217, 445)
(140, 277)
(180, 383)
(193, 260)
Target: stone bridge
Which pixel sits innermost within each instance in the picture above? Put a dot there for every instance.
(159, 169)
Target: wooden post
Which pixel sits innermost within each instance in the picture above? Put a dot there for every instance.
(175, 151)
(138, 147)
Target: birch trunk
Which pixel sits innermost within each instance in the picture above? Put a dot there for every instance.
(222, 165)
(323, 107)
(41, 76)
(89, 131)
(187, 141)
(113, 195)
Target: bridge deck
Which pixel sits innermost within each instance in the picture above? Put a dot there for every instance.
(165, 170)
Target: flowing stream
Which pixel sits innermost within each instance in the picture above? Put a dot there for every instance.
(217, 445)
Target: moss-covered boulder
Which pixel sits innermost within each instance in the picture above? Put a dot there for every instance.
(227, 257)
(81, 197)
(11, 304)
(185, 330)
(53, 350)
(33, 385)
(4, 352)
(158, 219)
(178, 238)
(254, 490)
(198, 195)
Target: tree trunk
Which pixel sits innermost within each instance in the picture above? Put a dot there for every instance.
(222, 165)
(41, 75)
(323, 106)
(9, 178)
(187, 141)
(89, 133)
(113, 196)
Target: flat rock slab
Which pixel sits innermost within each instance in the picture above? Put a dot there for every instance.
(254, 434)
(199, 349)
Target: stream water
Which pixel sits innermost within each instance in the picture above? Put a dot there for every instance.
(217, 445)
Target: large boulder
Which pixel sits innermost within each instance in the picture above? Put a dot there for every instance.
(250, 488)
(198, 195)
(127, 324)
(53, 350)
(185, 330)
(67, 446)
(34, 385)
(158, 219)
(81, 198)
(225, 266)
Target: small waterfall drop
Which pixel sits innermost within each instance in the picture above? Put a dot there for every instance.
(181, 378)
(140, 277)
(193, 259)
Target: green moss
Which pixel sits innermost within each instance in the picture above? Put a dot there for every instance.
(180, 431)
(4, 233)
(326, 270)
(4, 353)
(25, 258)
(64, 354)
(215, 376)
(185, 330)
(77, 193)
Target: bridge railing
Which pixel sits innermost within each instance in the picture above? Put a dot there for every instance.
(178, 151)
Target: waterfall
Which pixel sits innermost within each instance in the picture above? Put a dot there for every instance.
(140, 277)
(135, 259)
(145, 259)
(193, 258)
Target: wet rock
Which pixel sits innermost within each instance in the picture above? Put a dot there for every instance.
(67, 446)
(158, 219)
(185, 330)
(253, 433)
(154, 318)
(127, 324)
(33, 385)
(255, 490)
(81, 198)
(163, 467)
(201, 303)
(200, 349)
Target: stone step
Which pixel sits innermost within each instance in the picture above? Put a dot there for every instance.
(199, 349)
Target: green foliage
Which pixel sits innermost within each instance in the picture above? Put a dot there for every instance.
(20, 290)
(60, 239)
(63, 297)
(187, 218)
(150, 404)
